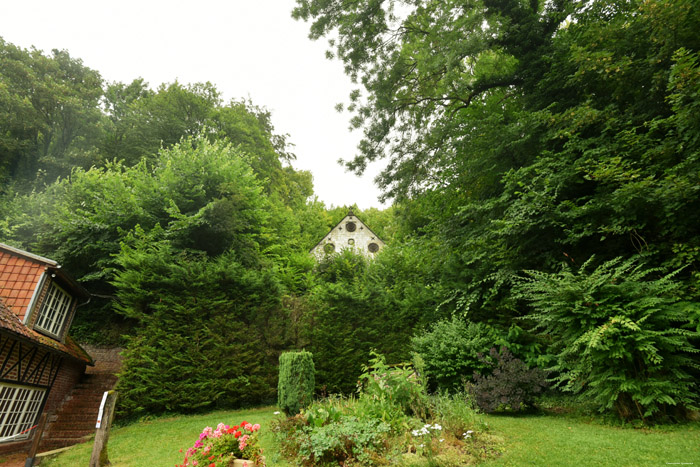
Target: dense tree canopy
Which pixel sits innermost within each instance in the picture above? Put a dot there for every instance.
(543, 159)
(521, 135)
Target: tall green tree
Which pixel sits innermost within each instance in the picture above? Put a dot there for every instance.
(49, 114)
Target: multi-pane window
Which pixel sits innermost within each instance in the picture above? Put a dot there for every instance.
(54, 310)
(19, 406)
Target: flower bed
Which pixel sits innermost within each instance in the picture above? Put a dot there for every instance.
(222, 446)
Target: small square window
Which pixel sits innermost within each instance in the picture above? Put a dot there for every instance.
(54, 311)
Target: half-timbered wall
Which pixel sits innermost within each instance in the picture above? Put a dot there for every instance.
(26, 364)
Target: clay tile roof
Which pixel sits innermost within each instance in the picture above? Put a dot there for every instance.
(10, 322)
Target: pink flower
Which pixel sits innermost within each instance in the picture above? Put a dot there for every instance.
(248, 426)
(198, 444)
(221, 427)
(242, 443)
(255, 427)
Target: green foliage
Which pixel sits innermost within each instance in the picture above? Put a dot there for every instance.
(619, 334)
(381, 426)
(510, 384)
(361, 305)
(203, 332)
(456, 413)
(337, 442)
(450, 351)
(49, 115)
(197, 195)
(390, 393)
(295, 387)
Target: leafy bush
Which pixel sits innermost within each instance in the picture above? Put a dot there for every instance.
(511, 383)
(348, 438)
(398, 384)
(621, 338)
(295, 388)
(449, 351)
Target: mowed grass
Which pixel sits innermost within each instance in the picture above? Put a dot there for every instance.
(157, 442)
(565, 441)
(553, 440)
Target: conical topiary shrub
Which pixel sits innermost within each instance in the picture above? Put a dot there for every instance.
(295, 389)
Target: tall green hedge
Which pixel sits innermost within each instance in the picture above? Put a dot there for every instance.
(295, 389)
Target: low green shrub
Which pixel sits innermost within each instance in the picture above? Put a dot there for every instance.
(390, 393)
(348, 438)
(510, 384)
(456, 413)
(449, 350)
(295, 388)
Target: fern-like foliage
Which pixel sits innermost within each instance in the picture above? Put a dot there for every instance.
(623, 338)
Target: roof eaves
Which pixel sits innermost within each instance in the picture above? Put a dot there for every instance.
(26, 254)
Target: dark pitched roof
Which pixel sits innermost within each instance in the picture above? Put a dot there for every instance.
(9, 322)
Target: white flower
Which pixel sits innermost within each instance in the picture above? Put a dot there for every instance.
(276, 413)
(437, 427)
(421, 445)
(441, 440)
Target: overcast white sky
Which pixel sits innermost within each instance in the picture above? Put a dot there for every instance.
(247, 48)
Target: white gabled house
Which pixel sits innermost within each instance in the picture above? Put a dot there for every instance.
(350, 233)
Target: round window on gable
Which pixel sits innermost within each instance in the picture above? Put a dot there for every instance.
(373, 247)
(350, 226)
(328, 248)
(351, 241)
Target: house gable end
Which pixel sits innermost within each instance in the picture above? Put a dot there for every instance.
(349, 233)
(38, 291)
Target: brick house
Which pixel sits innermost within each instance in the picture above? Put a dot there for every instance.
(39, 362)
(350, 233)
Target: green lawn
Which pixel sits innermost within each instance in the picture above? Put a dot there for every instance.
(560, 440)
(553, 440)
(157, 443)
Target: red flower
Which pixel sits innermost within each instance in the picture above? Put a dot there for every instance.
(212, 458)
(231, 430)
(244, 423)
(237, 434)
(212, 465)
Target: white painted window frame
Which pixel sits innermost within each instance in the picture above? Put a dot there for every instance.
(54, 310)
(19, 408)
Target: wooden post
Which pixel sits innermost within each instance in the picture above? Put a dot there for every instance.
(35, 441)
(99, 456)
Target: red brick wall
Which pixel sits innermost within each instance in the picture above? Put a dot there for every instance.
(68, 377)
